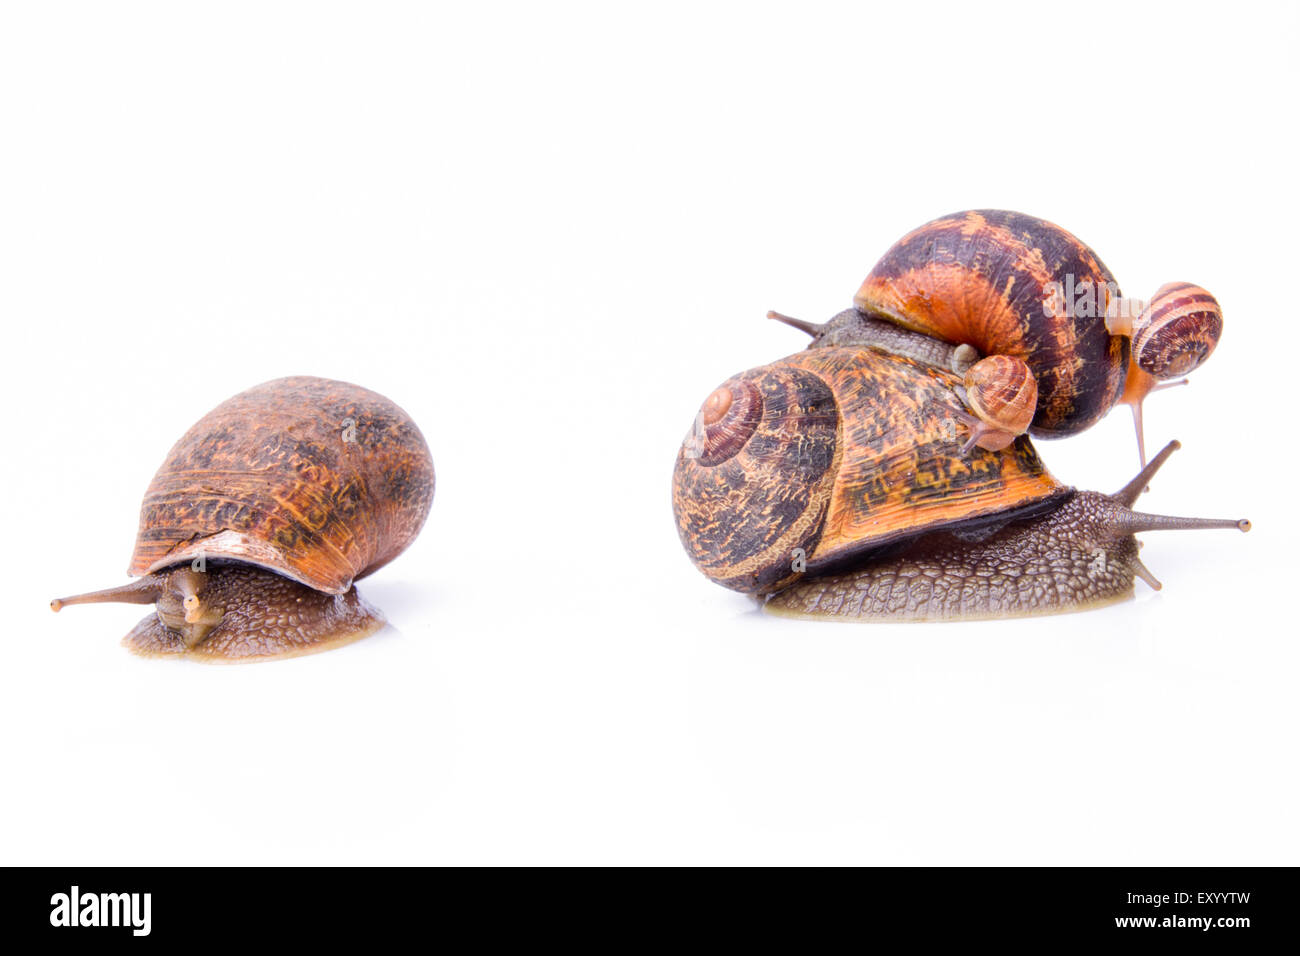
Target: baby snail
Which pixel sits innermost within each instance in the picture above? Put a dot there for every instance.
(832, 484)
(1005, 284)
(264, 514)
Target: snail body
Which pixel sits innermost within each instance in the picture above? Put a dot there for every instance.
(1081, 553)
(264, 514)
(1006, 284)
(837, 473)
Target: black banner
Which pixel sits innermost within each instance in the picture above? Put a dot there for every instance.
(1226, 907)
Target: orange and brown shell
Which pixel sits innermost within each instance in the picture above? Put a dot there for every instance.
(1177, 331)
(318, 480)
(833, 453)
(1011, 284)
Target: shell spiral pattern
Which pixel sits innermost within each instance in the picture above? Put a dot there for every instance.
(1011, 284)
(319, 480)
(1178, 331)
(855, 449)
(743, 504)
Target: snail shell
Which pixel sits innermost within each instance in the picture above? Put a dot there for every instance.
(1003, 394)
(318, 480)
(1177, 331)
(993, 279)
(293, 490)
(832, 453)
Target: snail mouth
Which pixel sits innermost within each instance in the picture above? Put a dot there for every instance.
(191, 629)
(182, 609)
(1185, 361)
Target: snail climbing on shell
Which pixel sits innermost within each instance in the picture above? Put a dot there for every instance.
(1001, 283)
(264, 514)
(831, 483)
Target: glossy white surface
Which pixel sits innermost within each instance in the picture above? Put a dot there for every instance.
(548, 236)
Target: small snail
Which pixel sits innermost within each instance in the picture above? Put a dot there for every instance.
(1003, 394)
(832, 482)
(1006, 284)
(264, 514)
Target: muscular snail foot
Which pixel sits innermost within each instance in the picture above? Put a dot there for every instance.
(332, 621)
(1023, 570)
(254, 615)
(1082, 555)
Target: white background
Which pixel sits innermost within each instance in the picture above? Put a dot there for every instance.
(548, 234)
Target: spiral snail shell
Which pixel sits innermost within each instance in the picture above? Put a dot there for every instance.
(988, 278)
(263, 515)
(1004, 283)
(829, 453)
(1003, 394)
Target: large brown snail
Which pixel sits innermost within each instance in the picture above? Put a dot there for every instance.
(833, 482)
(264, 514)
(1001, 283)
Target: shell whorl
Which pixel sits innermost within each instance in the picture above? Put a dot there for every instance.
(1011, 284)
(725, 422)
(318, 480)
(754, 485)
(855, 448)
(1001, 390)
(1177, 331)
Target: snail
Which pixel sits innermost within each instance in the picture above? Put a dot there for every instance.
(832, 483)
(263, 515)
(1005, 284)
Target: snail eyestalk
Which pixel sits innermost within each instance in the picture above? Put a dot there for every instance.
(1126, 521)
(1128, 495)
(1135, 522)
(144, 591)
(813, 329)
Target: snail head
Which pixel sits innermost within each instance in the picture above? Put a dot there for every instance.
(184, 598)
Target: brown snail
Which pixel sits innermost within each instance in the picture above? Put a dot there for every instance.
(1006, 284)
(833, 482)
(264, 514)
(1003, 394)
